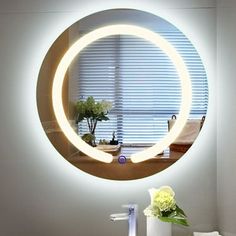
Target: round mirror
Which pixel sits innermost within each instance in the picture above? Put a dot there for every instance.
(122, 94)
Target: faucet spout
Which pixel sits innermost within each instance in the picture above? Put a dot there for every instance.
(119, 216)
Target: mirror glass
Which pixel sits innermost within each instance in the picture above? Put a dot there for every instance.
(122, 94)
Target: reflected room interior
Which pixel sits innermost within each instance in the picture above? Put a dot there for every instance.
(140, 83)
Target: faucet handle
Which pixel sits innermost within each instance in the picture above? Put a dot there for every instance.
(131, 207)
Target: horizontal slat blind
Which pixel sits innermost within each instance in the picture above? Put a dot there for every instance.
(141, 82)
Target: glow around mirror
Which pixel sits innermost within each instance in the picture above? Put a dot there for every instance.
(99, 33)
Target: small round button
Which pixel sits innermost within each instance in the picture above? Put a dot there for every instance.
(122, 159)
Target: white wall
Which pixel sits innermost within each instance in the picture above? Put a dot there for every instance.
(43, 195)
(226, 127)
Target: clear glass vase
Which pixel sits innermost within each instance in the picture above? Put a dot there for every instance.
(155, 227)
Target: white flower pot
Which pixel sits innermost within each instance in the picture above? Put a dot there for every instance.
(155, 227)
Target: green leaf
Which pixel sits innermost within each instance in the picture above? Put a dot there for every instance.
(80, 117)
(176, 217)
(178, 221)
(105, 118)
(179, 210)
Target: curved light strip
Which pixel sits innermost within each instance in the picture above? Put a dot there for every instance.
(102, 32)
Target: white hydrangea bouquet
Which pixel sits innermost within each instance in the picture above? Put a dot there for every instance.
(163, 206)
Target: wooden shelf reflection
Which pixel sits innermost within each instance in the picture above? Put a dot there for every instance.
(126, 171)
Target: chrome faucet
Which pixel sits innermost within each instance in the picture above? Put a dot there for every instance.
(131, 216)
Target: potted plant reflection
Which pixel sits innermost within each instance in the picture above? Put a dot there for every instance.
(92, 112)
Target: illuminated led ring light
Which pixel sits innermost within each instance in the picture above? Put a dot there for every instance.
(99, 33)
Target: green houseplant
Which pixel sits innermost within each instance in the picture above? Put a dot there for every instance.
(92, 112)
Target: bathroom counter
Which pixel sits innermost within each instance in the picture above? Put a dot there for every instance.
(129, 170)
